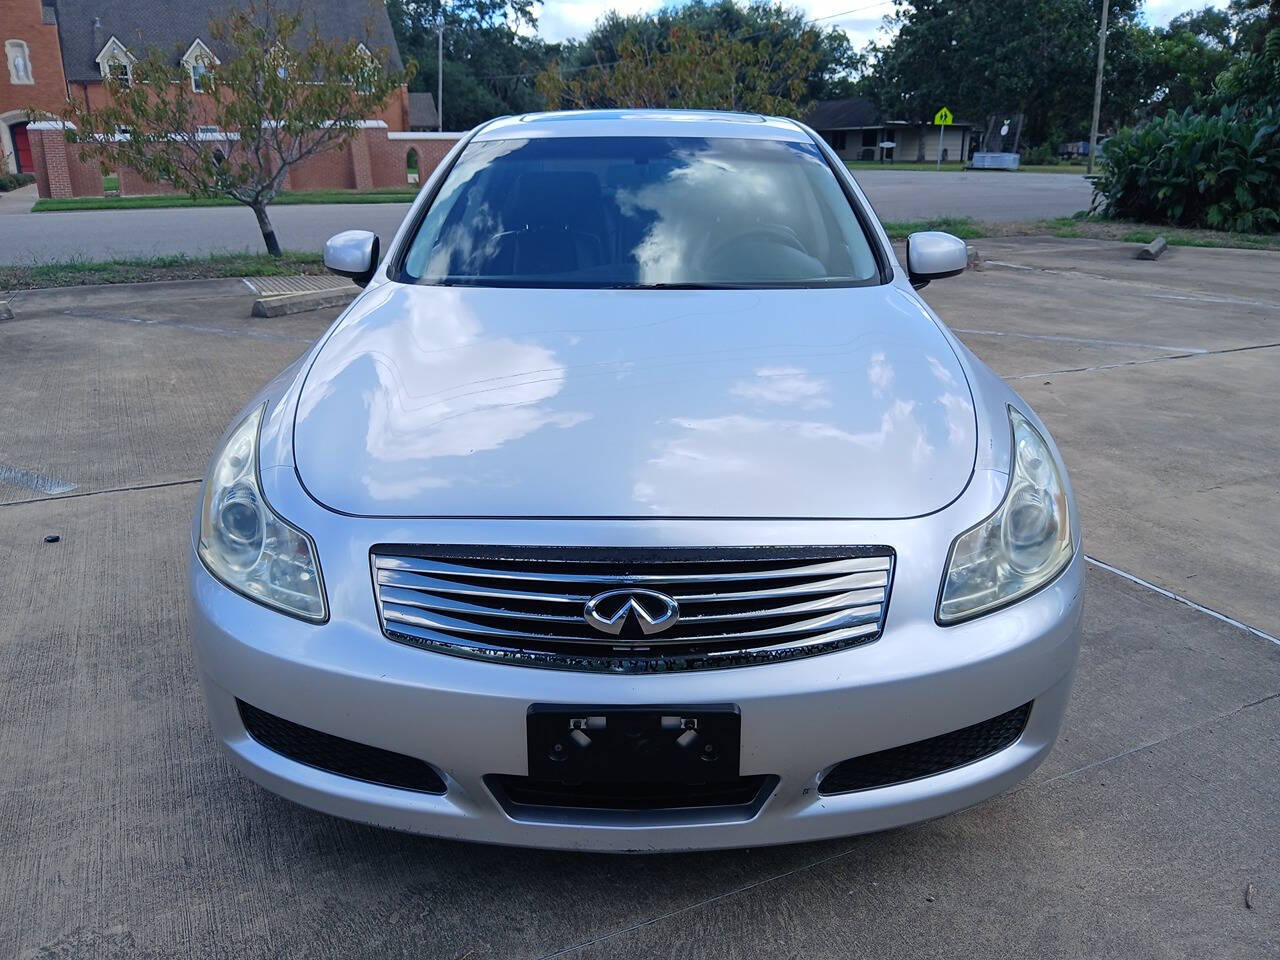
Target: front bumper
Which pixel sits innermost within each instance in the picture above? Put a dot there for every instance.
(799, 718)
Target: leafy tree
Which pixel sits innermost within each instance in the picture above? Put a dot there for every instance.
(491, 55)
(1187, 56)
(1033, 57)
(693, 69)
(818, 63)
(283, 96)
(1251, 82)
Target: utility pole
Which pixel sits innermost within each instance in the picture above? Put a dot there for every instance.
(440, 73)
(1097, 88)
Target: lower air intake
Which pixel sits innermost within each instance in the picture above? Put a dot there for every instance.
(924, 758)
(527, 792)
(333, 754)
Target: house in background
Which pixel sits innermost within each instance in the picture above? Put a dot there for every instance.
(30, 76)
(856, 130)
(55, 50)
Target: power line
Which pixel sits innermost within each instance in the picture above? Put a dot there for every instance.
(748, 36)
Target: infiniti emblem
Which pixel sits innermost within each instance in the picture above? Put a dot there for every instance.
(609, 612)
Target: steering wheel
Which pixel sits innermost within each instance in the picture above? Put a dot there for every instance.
(775, 232)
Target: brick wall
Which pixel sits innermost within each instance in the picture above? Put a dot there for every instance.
(22, 20)
(373, 160)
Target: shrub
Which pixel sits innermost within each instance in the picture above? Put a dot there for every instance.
(1220, 171)
(1041, 156)
(12, 181)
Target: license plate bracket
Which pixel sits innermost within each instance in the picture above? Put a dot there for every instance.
(670, 744)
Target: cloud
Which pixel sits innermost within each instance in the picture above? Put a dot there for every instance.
(784, 385)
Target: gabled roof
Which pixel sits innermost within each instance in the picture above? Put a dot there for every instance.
(172, 25)
(844, 114)
(422, 111)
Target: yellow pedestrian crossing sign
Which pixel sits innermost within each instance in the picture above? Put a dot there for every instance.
(943, 117)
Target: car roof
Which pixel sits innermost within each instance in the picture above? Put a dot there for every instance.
(643, 123)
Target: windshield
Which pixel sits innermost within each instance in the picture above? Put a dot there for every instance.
(640, 212)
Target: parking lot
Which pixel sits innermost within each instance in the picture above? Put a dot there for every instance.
(1150, 831)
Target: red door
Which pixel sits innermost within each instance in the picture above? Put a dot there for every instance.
(22, 148)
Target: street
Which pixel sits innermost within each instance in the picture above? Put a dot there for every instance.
(114, 234)
(1148, 833)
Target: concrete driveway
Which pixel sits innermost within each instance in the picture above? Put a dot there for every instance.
(1149, 832)
(108, 234)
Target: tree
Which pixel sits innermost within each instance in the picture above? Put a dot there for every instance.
(1186, 58)
(1033, 57)
(491, 54)
(754, 33)
(282, 96)
(1251, 82)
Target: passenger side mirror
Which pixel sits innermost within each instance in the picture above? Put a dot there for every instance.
(352, 253)
(933, 255)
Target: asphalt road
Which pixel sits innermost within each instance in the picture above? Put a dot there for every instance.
(1148, 833)
(98, 235)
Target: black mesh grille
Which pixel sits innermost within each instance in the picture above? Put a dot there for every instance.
(336, 755)
(924, 758)
(525, 791)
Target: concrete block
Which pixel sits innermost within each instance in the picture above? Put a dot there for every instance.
(286, 303)
(1153, 249)
(6, 312)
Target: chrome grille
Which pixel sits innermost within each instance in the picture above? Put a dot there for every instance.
(737, 606)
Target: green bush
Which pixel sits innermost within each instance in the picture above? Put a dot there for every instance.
(12, 181)
(1041, 156)
(1220, 171)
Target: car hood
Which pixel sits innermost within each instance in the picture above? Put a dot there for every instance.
(457, 401)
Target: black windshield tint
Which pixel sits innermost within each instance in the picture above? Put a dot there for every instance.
(640, 212)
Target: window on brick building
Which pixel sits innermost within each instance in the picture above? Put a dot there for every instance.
(19, 61)
(199, 60)
(116, 63)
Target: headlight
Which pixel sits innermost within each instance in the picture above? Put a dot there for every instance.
(245, 544)
(1020, 547)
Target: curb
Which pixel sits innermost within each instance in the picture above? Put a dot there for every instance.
(286, 303)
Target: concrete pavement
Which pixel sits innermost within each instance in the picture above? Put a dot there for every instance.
(108, 234)
(126, 834)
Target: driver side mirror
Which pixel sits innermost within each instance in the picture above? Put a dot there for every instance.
(933, 255)
(354, 254)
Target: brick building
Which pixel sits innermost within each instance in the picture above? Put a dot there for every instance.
(60, 49)
(30, 76)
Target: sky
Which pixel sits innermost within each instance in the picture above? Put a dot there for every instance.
(861, 19)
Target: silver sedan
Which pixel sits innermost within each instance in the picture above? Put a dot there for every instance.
(638, 502)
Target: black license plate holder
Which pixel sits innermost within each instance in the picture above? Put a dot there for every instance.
(634, 744)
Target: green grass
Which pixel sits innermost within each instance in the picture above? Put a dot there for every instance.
(74, 273)
(1096, 228)
(159, 201)
(966, 228)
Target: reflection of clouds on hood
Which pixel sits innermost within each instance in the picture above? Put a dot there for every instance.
(432, 386)
(784, 385)
(940, 371)
(709, 464)
(958, 411)
(693, 198)
(880, 373)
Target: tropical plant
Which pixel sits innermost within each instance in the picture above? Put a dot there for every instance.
(283, 96)
(1220, 171)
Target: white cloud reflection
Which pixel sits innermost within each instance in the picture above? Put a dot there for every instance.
(786, 385)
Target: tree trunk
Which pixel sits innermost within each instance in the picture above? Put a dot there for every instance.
(920, 143)
(268, 232)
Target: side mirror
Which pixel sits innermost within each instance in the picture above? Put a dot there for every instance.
(352, 253)
(933, 255)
